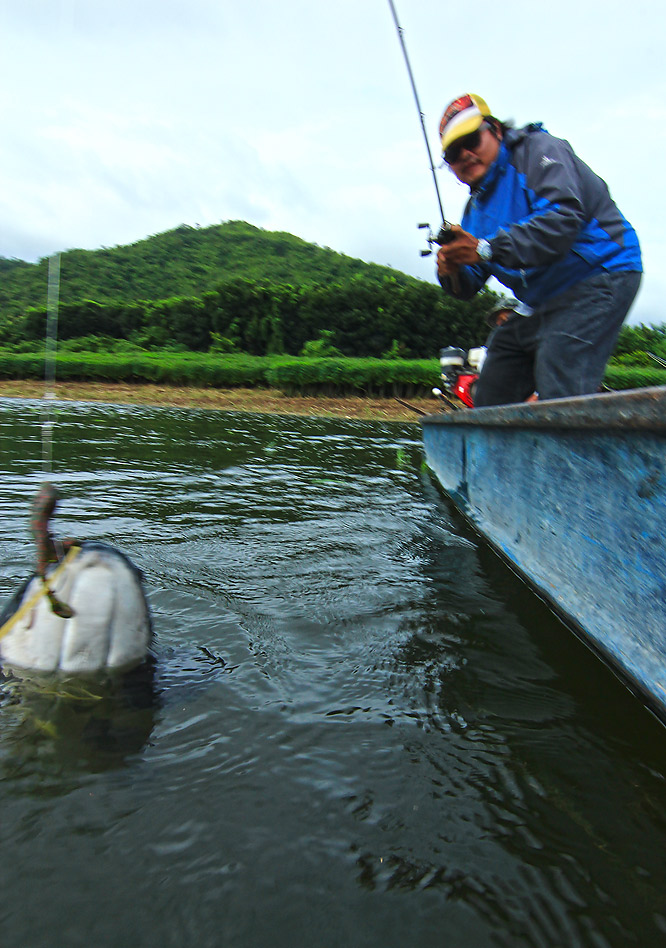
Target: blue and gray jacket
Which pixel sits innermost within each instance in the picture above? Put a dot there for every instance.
(550, 221)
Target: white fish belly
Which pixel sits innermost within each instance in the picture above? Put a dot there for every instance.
(110, 628)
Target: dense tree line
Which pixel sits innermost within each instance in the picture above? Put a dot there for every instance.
(361, 317)
(638, 345)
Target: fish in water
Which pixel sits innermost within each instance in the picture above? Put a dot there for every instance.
(81, 612)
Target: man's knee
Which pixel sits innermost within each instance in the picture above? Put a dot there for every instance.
(567, 365)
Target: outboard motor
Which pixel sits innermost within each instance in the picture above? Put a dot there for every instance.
(460, 370)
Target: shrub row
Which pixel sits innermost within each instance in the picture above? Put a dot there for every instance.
(289, 374)
(343, 376)
(381, 377)
(188, 369)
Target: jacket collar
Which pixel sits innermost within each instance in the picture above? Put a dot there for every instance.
(511, 138)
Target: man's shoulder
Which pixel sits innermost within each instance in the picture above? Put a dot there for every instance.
(534, 138)
(514, 136)
(534, 148)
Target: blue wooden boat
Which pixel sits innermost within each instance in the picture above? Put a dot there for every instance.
(572, 494)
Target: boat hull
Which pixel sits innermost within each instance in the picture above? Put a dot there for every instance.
(572, 493)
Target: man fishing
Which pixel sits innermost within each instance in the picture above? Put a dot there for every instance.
(544, 224)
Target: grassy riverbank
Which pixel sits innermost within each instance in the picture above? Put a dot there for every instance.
(238, 399)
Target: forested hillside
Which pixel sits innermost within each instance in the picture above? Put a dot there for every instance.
(187, 261)
(236, 289)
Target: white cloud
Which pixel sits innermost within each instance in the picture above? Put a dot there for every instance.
(125, 118)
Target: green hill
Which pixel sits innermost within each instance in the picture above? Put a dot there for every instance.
(187, 261)
(235, 287)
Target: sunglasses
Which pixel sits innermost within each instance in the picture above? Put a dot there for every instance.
(467, 143)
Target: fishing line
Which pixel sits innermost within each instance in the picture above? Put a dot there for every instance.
(47, 494)
(50, 347)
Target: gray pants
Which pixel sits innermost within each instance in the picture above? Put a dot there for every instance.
(562, 348)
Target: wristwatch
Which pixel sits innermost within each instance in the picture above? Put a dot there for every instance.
(484, 251)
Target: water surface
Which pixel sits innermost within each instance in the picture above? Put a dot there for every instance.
(360, 729)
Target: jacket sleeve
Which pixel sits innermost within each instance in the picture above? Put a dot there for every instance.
(551, 175)
(471, 279)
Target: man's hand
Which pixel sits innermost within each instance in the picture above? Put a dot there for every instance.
(459, 252)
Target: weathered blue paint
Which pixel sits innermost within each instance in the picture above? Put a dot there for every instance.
(573, 494)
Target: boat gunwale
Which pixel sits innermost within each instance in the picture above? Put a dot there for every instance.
(641, 409)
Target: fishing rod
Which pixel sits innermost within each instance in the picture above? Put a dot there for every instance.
(445, 234)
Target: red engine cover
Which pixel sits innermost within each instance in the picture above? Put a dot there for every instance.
(463, 388)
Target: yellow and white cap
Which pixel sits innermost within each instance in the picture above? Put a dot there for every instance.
(462, 117)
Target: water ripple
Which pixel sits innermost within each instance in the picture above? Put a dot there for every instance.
(359, 727)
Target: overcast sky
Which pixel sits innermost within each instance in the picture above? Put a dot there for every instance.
(126, 118)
